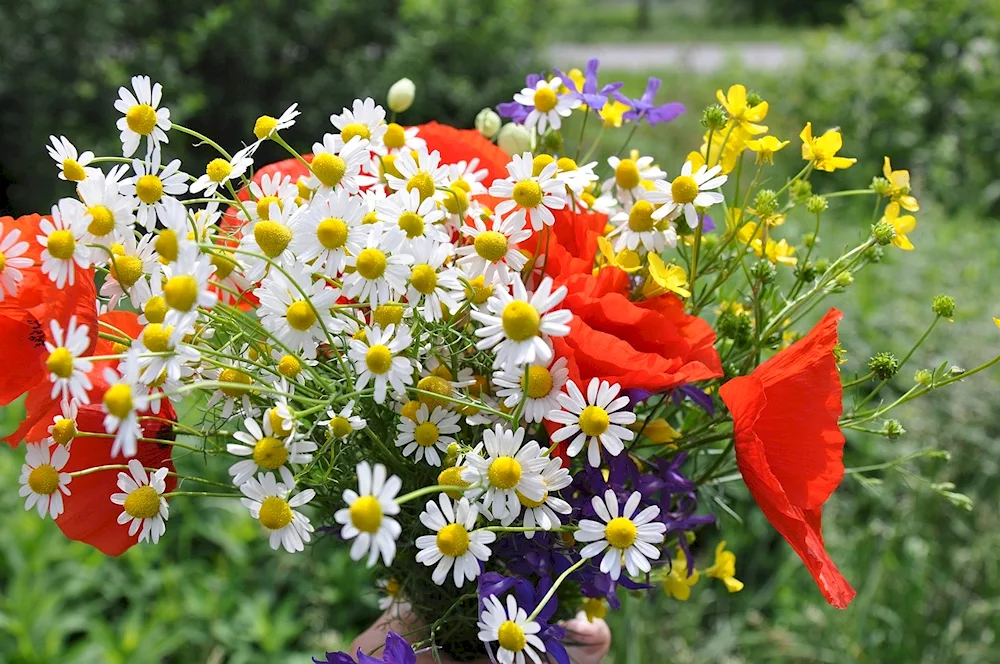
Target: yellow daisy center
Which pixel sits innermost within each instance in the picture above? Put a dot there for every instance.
(332, 233)
(371, 263)
(504, 472)
(73, 170)
(64, 431)
(627, 174)
(218, 170)
(118, 400)
(566, 164)
(520, 320)
(477, 291)
(412, 224)
(272, 237)
(156, 337)
(378, 359)
(3, 262)
(141, 119)
(149, 189)
(529, 503)
(453, 540)
(620, 532)
(527, 194)
(289, 366)
(181, 292)
(61, 244)
(231, 375)
(300, 316)
(392, 587)
(389, 166)
(44, 479)
(684, 189)
(155, 309)
(305, 193)
(511, 637)
(369, 218)
(126, 270)
(60, 362)
(102, 220)
(143, 503)
(366, 514)
(264, 206)
(340, 427)
(457, 200)
(491, 245)
(264, 125)
(545, 99)
(640, 219)
(355, 129)
(409, 410)
(594, 420)
(166, 245)
(329, 168)
(434, 385)
(537, 382)
(395, 136)
(277, 422)
(270, 453)
(224, 263)
(423, 183)
(275, 513)
(453, 477)
(423, 278)
(426, 434)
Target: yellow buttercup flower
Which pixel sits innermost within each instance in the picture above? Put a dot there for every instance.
(665, 278)
(724, 568)
(780, 252)
(822, 151)
(612, 113)
(903, 224)
(765, 147)
(626, 259)
(899, 183)
(677, 583)
(740, 111)
(658, 431)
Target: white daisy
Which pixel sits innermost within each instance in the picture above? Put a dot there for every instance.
(67, 367)
(142, 501)
(381, 270)
(688, 191)
(599, 419)
(328, 230)
(364, 119)
(274, 188)
(493, 254)
(433, 288)
(377, 360)
(266, 453)
(629, 176)
(545, 513)
(219, 171)
(72, 165)
(268, 240)
(517, 327)
(266, 126)
(537, 384)
(408, 218)
(506, 466)
(63, 240)
(297, 320)
(629, 538)
(456, 544)
(343, 423)
(110, 215)
(186, 289)
(153, 186)
(231, 283)
(527, 195)
(142, 116)
(637, 228)
(12, 261)
(337, 166)
(515, 635)
(123, 401)
(42, 483)
(425, 174)
(400, 139)
(240, 376)
(548, 107)
(161, 356)
(63, 428)
(176, 230)
(268, 502)
(368, 515)
(428, 434)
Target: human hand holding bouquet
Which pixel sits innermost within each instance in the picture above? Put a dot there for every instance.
(509, 377)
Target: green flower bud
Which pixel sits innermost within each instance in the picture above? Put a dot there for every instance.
(805, 272)
(923, 377)
(553, 141)
(714, 117)
(883, 232)
(881, 186)
(892, 429)
(844, 279)
(822, 265)
(943, 306)
(735, 327)
(873, 254)
(816, 204)
(810, 240)
(884, 365)
(801, 190)
(488, 122)
(709, 241)
(765, 203)
(753, 98)
(401, 95)
(764, 271)
(514, 139)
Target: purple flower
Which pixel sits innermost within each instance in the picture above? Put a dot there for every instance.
(518, 112)
(589, 95)
(643, 108)
(396, 651)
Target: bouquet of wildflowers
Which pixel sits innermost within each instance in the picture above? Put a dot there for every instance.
(511, 378)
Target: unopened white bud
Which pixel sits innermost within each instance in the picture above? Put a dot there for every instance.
(488, 122)
(514, 139)
(401, 95)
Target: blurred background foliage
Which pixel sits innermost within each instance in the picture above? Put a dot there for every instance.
(913, 79)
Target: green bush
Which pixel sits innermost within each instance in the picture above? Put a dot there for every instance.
(918, 80)
(224, 64)
(789, 12)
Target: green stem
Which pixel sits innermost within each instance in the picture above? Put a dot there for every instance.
(555, 586)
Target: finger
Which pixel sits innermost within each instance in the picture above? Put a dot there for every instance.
(592, 640)
(399, 619)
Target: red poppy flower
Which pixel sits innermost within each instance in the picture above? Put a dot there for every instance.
(789, 447)
(89, 514)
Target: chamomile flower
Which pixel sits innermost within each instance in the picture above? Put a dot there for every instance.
(467, 175)
(538, 385)
(545, 513)
(367, 519)
(267, 453)
(153, 186)
(428, 434)
(268, 502)
(161, 353)
(381, 270)
(630, 174)
(147, 296)
(274, 188)
(42, 482)
(493, 254)
(506, 466)
(143, 118)
(142, 501)
(175, 233)
(266, 126)
(296, 320)
(423, 173)
(12, 261)
(433, 287)
(110, 215)
(219, 171)
(548, 106)
(637, 228)
(408, 218)
(400, 139)
(343, 423)
(125, 397)
(529, 196)
(337, 165)
(516, 327)
(186, 289)
(72, 165)
(364, 119)
(269, 240)
(599, 419)
(67, 367)
(240, 378)
(228, 275)
(330, 229)
(516, 636)
(63, 428)
(628, 538)
(455, 545)
(63, 239)
(377, 359)
(688, 191)
(577, 180)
